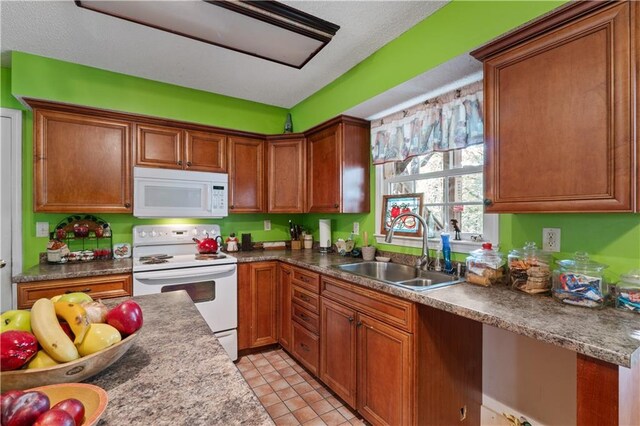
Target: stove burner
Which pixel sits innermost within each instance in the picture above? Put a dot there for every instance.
(209, 256)
(155, 257)
(153, 261)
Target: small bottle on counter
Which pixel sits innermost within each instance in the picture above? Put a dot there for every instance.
(485, 266)
(580, 281)
(530, 269)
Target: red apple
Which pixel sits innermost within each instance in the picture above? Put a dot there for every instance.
(126, 317)
(73, 407)
(55, 417)
(26, 408)
(7, 399)
(16, 348)
(67, 330)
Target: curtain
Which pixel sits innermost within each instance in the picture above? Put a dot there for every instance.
(451, 121)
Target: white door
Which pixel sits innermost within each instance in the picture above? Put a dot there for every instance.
(10, 187)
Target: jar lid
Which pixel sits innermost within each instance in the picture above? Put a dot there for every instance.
(631, 277)
(530, 250)
(489, 255)
(582, 263)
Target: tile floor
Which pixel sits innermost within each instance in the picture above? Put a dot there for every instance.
(290, 394)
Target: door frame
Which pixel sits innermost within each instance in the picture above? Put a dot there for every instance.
(16, 194)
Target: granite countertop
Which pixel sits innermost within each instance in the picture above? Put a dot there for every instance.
(609, 334)
(54, 271)
(176, 373)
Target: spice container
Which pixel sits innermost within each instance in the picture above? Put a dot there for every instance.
(628, 291)
(485, 266)
(579, 281)
(530, 269)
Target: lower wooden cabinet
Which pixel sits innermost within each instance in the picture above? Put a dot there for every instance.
(305, 346)
(284, 306)
(101, 287)
(257, 304)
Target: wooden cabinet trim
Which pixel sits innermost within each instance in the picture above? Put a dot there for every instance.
(305, 298)
(100, 287)
(394, 311)
(306, 279)
(256, 204)
(176, 161)
(194, 162)
(286, 175)
(325, 177)
(260, 308)
(306, 318)
(284, 305)
(305, 347)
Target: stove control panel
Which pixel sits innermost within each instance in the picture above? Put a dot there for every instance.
(144, 235)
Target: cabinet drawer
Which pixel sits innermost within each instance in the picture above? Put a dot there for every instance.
(308, 319)
(102, 287)
(306, 299)
(394, 311)
(305, 347)
(307, 279)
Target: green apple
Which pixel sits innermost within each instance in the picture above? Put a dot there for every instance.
(77, 297)
(15, 320)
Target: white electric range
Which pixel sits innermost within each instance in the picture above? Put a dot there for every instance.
(165, 259)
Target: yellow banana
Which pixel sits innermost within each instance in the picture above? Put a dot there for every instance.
(76, 316)
(50, 335)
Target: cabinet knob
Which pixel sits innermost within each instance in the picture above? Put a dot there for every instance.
(179, 162)
(336, 205)
(305, 347)
(359, 324)
(350, 319)
(127, 205)
(232, 206)
(188, 163)
(487, 202)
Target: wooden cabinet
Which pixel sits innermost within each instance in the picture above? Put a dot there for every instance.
(246, 175)
(82, 163)
(257, 304)
(100, 287)
(305, 317)
(284, 306)
(338, 166)
(305, 347)
(286, 175)
(559, 112)
(176, 148)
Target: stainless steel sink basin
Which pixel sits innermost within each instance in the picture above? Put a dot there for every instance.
(401, 275)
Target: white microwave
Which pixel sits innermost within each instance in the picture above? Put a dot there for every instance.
(179, 193)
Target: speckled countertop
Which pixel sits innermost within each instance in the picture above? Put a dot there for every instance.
(54, 271)
(608, 334)
(176, 373)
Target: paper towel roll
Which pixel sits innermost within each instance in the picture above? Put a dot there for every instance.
(325, 233)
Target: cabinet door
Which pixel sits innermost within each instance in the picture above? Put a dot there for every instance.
(559, 119)
(82, 163)
(385, 373)
(159, 146)
(284, 306)
(286, 175)
(246, 175)
(263, 304)
(338, 349)
(324, 167)
(205, 152)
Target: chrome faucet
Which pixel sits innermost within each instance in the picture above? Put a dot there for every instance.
(424, 260)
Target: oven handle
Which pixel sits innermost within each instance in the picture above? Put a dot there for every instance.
(182, 273)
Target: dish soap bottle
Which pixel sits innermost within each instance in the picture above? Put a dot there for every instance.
(446, 251)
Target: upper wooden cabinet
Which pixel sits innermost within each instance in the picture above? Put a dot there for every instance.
(246, 175)
(82, 163)
(286, 173)
(338, 166)
(560, 113)
(176, 148)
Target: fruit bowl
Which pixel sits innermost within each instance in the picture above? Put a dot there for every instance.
(73, 371)
(93, 398)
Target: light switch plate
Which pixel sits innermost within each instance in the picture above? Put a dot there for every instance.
(551, 239)
(42, 229)
(267, 225)
(356, 228)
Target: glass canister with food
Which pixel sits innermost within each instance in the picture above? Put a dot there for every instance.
(628, 291)
(530, 269)
(580, 281)
(485, 266)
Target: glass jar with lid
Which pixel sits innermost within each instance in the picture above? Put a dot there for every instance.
(530, 269)
(485, 266)
(579, 281)
(628, 291)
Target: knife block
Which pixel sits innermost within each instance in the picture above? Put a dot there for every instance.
(296, 245)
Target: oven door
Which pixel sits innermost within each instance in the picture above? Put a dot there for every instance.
(214, 290)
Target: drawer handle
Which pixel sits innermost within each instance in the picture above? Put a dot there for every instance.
(359, 324)
(305, 279)
(188, 163)
(305, 347)
(86, 290)
(305, 298)
(304, 317)
(335, 206)
(179, 162)
(127, 205)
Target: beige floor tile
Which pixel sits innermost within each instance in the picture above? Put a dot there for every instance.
(286, 420)
(315, 422)
(263, 390)
(279, 365)
(250, 374)
(346, 413)
(294, 379)
(321, 407)
(333, 418)
(295, 403)
(261, 362)
(256, 381)
(245, 367)
(287, 371)
(311, 397)
(357, 422)
(286, 393)
(302, 388)
(304, 414)
(279, 384)
(334, 401)
(269, 399)
(254, 357)
(324, 392)
(266, 369)
(272, 377)
(277, 410)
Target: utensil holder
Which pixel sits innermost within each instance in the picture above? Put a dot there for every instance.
(368, 253)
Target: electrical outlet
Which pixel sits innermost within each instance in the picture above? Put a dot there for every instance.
(551, 239)
(267, 225)
(42, 229)
(356, 228)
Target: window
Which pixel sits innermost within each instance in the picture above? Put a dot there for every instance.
(452, 184)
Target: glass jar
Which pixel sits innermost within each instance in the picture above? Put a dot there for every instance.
(628, 291)
(530, 269)
(579, 281)
(485, 266)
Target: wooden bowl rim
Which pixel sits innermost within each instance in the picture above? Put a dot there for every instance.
(70, 363)
(103, 397)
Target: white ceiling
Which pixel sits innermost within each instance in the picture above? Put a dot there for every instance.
(60, 30)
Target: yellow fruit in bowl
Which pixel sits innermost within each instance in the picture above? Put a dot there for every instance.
(98, 337)
(55, 299)
(41, 360)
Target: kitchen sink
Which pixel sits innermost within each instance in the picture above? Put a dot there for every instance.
(401, 275)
